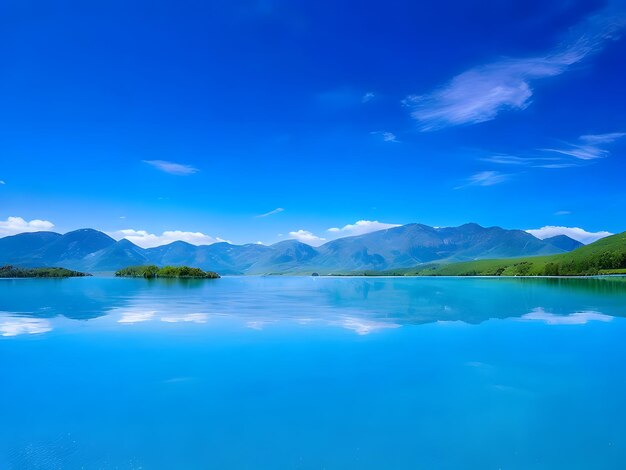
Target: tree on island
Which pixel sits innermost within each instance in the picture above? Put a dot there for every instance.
(151, 271)
(9, 271)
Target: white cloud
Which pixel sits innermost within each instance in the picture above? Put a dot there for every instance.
(2, 182)
(361, 227)
(481, 93)
(485, 178)
(14, 326)
(505, 159)
(387, 136)
(602, 138)
(278, 210)
(576, 233)
(582, 152)
(149, 240)
(15, 225)
(590, 147)
(556, 166)
(187, 318)
(307, 237)
(369, 96)
(524, 160)
(172, 168)
(576, 318)
(562, 213)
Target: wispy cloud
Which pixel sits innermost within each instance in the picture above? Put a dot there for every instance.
(145, 239)
(15, 225)
(562, 213)
(521, 160)
(307, 237)
(589, 147)
(556, 166)
(278, 210)
(386, 136)
(505, 159)
(481, 93)
(367, 97)
(596, 139)
(2, 182)
(172, 168)
(582, 152)
(361, 227)
(485, 178)
(576, 233)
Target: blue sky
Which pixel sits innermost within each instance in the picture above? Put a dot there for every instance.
(265, 120)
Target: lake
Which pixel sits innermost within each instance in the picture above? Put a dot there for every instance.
(313, 373)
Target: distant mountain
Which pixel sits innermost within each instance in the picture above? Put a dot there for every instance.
(398, 247)
(52, 249)
(222, 257)
(285, 256)
(412, 244)
(16, 248)
(72, 246)
(119, 254)
(563, 242)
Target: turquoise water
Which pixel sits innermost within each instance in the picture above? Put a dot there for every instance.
(313, 373)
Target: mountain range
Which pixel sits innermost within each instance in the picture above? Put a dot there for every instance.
(399, 247)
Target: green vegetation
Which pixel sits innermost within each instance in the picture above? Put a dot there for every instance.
(12, 271)
(147, 271)
(152, 271)
(605, 256)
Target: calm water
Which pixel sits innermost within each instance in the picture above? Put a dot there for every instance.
(313, 373)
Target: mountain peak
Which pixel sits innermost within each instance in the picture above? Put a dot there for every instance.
(287, 243)
(125, 242)
(179, 243)
(563, 242)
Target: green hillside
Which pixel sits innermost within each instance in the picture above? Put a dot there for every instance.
(605, 256)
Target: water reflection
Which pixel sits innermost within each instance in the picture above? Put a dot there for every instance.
(576, 318)
(189, 317)
(12, 325)
(361, 305)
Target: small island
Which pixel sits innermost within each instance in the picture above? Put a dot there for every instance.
(167, 272)
(9, 271)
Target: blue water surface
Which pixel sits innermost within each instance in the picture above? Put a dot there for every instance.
(313, 373)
